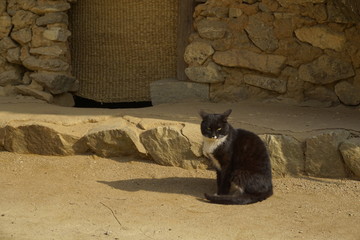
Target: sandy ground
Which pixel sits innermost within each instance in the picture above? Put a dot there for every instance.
(88, 197)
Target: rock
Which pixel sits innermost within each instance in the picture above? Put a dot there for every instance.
(294, 87)
(261, 32)
(287, 3)
(43, 7)
(42, 139)
(2, 7)
(65, 100)
(54, 51)
(5, 25)
(22, 36)
(322, 94)
(12, 77)
(205, 74)
(172, 91)
(38, 39)
(57, 34)
(28, 91)
(23, 19)
(326, 70)
(13, 55)
(54, 82)
(272, 84)
(338, 14)
(16, 5)
(168, 146)
(322, 156)
(193, 133)
(235, 12)
(269, 6)
(6, 43)
(350, 151)
(321, 36)
(114, 138)
(51, 18)
(218, 12)
(247, 59)
(211, 29)
(197, 53)
(297, 52)
(46, 64)
(286, 155)
(348, 93)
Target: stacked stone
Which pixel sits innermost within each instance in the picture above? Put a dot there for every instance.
(328, 153)
(303, 50)
(34, 50)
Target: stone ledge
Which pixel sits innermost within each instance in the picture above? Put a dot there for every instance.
(178, 144)
(173, 91)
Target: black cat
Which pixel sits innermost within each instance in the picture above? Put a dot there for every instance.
(241, 160)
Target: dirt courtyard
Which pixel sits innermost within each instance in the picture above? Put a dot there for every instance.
(88, 197)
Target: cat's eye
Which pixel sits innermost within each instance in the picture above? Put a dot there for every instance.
(219, 129)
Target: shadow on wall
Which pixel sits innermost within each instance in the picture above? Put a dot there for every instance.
(187, 186)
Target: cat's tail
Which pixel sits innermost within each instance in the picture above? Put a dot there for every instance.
(238, 199)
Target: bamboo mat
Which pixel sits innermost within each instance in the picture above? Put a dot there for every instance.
(118, 47)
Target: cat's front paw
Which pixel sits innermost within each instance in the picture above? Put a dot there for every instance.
(208, 196)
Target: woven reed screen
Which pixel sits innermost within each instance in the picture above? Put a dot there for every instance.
(119, 47)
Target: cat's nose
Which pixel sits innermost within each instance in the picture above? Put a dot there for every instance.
(214, 137)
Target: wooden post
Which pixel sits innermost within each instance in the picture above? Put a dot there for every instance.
(186, 10)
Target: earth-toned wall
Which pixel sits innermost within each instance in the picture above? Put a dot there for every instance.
(300, 51)
(303, 51)
(34, 49)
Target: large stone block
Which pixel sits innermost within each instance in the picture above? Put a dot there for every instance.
(12, 77)
(197, 53)
(325, 70)
(43, 7)
(211, 29)
(205, 74)
(272, 84)
(172, 91)
(23, 19)
(40, 139)
(46, 64)
(322, 155)
(350, 150)
(168, 146)
(54, 82)
(286, 155)
(247, 59)
(57, 34)
(54, 51)
(287, 3)
(51, 18)
(261, 32)
(114, 138)
(22, 36)
(5, 25)
(38, 94)
(321, 36)
(348, 93)
(6, 43)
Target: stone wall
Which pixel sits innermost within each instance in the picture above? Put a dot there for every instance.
(304, 51)
(34, 49)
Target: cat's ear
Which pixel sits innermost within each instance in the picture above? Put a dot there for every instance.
(202, 114)
(226, 114)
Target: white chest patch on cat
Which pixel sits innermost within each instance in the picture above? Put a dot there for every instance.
(209, 146)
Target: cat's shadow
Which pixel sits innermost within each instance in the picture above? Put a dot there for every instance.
(187, 186)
